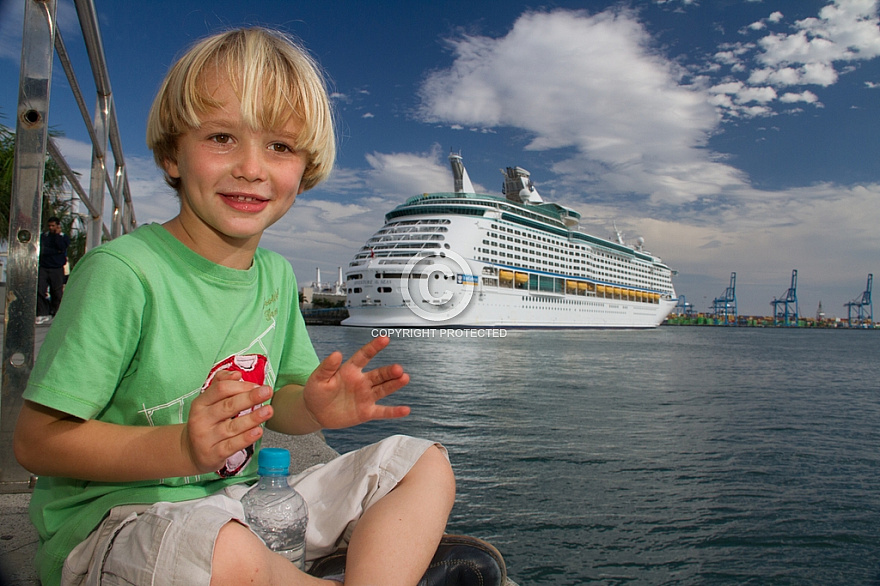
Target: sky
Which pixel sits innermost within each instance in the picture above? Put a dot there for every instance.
(732, 135)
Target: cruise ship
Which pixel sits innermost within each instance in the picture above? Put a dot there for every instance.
(463, 259)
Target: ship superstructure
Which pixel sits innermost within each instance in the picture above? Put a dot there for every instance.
(464, 259)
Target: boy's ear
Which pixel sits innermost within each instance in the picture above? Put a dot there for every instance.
(171, 168)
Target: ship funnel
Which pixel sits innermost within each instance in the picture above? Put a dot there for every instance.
(518, 186)
(459, 173)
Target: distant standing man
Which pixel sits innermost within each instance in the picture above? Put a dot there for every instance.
(53, 257)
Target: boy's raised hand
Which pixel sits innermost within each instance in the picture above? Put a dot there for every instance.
(214, 430)
(341, 394)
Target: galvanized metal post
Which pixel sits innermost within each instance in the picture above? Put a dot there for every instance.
(88, 21)
(118, 214)
(31, 137)
(99, 172)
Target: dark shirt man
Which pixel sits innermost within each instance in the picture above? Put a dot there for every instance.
(53, 257)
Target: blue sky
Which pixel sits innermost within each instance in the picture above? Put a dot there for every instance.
(733, 135)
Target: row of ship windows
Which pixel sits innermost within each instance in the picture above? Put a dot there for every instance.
(534, 298)
(422, 229)
(559, 285)
(557, 245)
(460, 207)
(536, 263)
(602, 264)
(351, 290)
(405, 238)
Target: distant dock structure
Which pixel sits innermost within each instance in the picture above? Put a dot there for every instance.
(683, 307)
(320, 291)
(785, 309)
(863, 306)
(724, 307)
(723, 311)
(322, 303)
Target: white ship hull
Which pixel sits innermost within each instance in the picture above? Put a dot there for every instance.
(467, 260)
(500, 308)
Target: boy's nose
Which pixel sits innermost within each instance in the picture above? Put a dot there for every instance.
(249, 165)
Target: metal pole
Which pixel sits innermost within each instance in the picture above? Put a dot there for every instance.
(99, 171)
(31, 137)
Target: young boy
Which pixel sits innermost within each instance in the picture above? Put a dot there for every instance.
(176, 343)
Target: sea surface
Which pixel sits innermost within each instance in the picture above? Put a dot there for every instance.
(681, 455)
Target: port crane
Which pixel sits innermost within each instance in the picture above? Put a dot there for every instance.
(863, 306)
(683, 307)
(788, 314)
(724, 307)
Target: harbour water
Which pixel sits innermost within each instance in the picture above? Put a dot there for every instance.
(672, 456)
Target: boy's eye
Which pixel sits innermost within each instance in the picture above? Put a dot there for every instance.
(221, 138)
(279, 147)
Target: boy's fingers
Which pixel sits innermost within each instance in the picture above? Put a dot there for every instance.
(368, 351)
(220, 390)
(228, 400)
(231, 434)
(390, 412)
(388, 388)
(328, 366)
(227, 375)
(230, 445)
(245, 425)
(383, 374)
(245, 401)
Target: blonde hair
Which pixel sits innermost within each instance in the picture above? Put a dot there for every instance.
(273, 77)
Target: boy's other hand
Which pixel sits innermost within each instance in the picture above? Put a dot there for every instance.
(341, 394)
(214, 430)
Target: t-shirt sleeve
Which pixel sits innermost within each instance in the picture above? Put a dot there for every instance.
(299, 359)
(93, 339)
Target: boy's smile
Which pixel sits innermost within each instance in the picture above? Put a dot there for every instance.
(236, 181)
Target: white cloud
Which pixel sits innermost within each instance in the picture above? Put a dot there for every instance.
(594, 85)
(805, 96)
(401, 175)
(813, 51)
(727, 57)
(756, 94)
(845, 30)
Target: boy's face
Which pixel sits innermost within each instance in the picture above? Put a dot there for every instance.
(235, 181)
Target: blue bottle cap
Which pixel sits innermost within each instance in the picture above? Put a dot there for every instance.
(273, 462)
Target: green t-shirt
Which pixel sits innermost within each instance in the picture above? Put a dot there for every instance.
(145, 324)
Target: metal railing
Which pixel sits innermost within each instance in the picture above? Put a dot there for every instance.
(32, 144)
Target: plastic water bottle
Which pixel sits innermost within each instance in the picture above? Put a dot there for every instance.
(274, 510)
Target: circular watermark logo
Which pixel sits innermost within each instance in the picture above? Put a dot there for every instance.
(438, 285)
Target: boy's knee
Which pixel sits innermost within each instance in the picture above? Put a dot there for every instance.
(436, 464)
(239, 557)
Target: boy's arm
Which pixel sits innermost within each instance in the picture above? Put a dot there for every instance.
(339, 395)
(290, 413)
(52, 443)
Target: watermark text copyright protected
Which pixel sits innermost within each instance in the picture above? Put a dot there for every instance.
(439, 333)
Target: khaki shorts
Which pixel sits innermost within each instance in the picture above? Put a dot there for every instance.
(173, 543)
